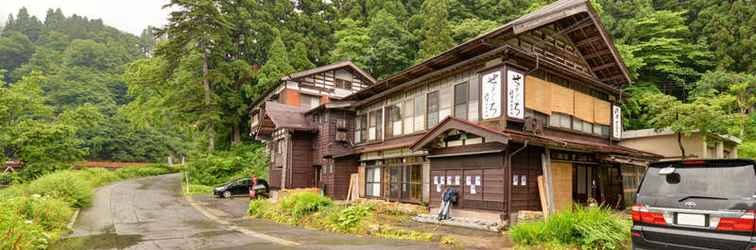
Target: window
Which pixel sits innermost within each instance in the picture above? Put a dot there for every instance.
(308, 101)
(461, 98)
(393, 121)
(343, 84)
(559, 120)
(601, 130)
(373, 181)
(408, 116)
(360, 128)
(375, 125)
(419, 112)
(432, 109)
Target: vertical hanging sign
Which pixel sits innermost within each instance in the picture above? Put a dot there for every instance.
(491, 86)
(616, 122)
(515, 96)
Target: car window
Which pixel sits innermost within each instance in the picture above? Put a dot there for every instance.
(734, 182)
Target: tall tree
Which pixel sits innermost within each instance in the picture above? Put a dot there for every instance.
(276, 67)
(299, 60)
(353, 43)
(436, 34)
(196, 25)
(391, 45)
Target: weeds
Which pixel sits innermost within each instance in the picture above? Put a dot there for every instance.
(586, 228)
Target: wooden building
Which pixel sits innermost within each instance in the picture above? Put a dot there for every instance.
(538, 96)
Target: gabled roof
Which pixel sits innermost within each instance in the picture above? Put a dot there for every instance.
(288, 117)
(576, 19)
(451, 123)
(343, 64)
(348, 65)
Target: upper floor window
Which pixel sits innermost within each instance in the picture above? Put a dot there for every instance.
(461, 99)
(309, 101)
(360, 128)
(375, 119)
(433, 107)
(393, 121)
(343, 84)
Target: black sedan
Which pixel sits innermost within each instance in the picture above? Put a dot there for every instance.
(241, 187)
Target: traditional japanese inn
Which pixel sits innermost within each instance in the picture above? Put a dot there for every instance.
(523, 116)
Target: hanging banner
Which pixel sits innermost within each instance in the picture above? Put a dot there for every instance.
(491, 86)
(515, 95)
(616, 122)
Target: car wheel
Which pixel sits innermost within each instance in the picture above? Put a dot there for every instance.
(227, 194)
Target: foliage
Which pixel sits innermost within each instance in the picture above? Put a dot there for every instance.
(131, 172)
(349, 219)
(18, 234)
(50, 213)
(436, 34)
(587, 228)
(297, 205)
(36, 213)
(221, 166)
(65, 185)
(197, 189)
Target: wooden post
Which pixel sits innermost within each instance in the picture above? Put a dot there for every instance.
(542, 194)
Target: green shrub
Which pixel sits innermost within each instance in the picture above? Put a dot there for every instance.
(587, 228)
(65, 185)
(260, 208)
(303, 203)
(131, 172)
(222, 166)
(16, 232)
(348, 219)
(528, 233)
(52, 214)
(99, 176)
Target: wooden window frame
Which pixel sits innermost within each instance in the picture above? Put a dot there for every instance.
(465, 86)
(429, 110)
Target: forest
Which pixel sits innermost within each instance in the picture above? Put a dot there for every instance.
(74, 88)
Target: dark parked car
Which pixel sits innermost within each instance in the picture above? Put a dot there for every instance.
(696, 204)
(241, 187)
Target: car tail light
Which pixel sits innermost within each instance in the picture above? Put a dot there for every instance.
(640, 213)
(743, 223)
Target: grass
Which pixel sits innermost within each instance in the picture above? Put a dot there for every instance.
(34, 214)
(196, 189)
(583, 228)
(308, 209)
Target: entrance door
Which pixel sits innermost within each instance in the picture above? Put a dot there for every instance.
(585, 184)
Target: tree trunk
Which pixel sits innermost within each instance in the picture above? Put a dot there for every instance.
(680, 144)
(206, 87)
(237, 135)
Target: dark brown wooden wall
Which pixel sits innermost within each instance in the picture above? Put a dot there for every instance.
(303, 173)
(527, 162)
(490, 195)
(337, 183)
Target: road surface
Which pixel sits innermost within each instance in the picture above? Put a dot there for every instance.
(150, 213)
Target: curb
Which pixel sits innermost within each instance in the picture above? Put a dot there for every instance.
(237, 228)
(73, 219)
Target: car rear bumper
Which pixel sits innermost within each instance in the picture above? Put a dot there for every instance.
(645, 237)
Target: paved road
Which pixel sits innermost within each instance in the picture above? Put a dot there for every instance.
(149, 213)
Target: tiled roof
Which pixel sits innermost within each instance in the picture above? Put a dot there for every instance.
(288, 117)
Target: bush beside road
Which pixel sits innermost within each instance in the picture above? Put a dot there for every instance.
(34, 214)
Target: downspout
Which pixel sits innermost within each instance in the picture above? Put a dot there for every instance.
(509, 179)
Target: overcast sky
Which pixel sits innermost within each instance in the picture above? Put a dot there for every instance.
(126, 15)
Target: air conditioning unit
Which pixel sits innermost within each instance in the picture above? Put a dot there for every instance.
(341, 136)
(341, 124)
(534, 125)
